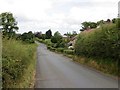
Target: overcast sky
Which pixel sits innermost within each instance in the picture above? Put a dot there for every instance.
(58, 15)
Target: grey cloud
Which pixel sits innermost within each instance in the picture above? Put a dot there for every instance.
(23, 19)
(65, 7)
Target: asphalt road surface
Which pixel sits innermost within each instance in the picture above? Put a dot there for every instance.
(57, 71)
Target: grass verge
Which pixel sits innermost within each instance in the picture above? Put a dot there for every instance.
(18, 64)
(110, 68)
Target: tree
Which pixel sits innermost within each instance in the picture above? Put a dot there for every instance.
(100, 22)
(93, 25)
(108, 20)
(43, 36)
(53, 39)
(114, 20)
(74, 33)
(70, 35)
(56, 38)
(8, 23)
(28, 37)
(85, 25)
(88, 25)
(48, 34)
(38, 35)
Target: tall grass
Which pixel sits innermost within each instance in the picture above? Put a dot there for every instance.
(17, 60)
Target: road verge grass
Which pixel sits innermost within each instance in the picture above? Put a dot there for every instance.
(110, 68)
(18, 63)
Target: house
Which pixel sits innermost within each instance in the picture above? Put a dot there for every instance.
(72, 42)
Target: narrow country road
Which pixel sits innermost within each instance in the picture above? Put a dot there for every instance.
(57, 71)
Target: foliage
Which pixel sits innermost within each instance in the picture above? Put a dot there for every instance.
(103, 43)
(58, 36)
(70, 35)
(60, 50)
(8, 23)
(71, 52)
(38, 35)
(86, 25)
(114, 20)
(48, 34)
(107, 66)
(28, 37)
(39, 40)
(102, 46)
(118, 23)
(43, 36)
(16, 58)
(51, 48)
(48, 42)
(57, 40)
(54, 39)
(100, 22)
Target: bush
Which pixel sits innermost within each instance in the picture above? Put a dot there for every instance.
(40, 40)
(48, 42)
(16, 58)
(27, 37)
(60, 49)
(102, 43)
(51, 48)
(71, 52)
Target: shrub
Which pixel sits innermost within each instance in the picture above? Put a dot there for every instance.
(102, 43)
(69, 52)
(60, 49)
(16, 57)
(48, 47)
(40, 40)
(27, 37)
(48, 42)
(51, 48)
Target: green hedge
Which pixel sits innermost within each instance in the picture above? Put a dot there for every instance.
(102, 43)
(39, 40)
(51, 48)
(71, 52)
(60, 49)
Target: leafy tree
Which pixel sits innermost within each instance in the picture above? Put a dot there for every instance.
(53, 39)
(74, 33)
(114, 20)
(86, 25)
(8, 23)
(108, 20)
(48, 34)
(38, 35)
(93, 25)
(43, 36)
(100, 22)
(56, 38)
(28, 37)
(70, 35)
